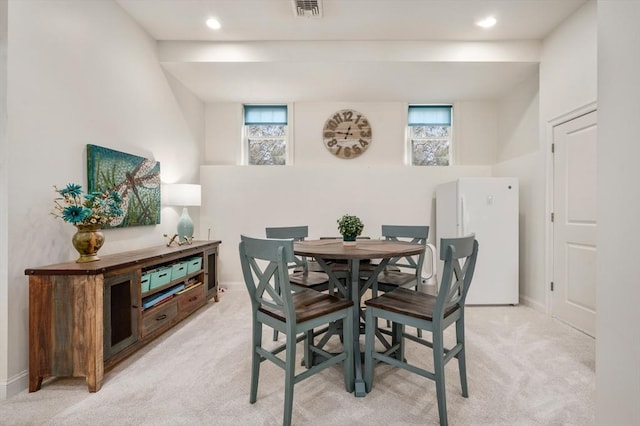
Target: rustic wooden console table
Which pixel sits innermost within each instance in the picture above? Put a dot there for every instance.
(86, 317)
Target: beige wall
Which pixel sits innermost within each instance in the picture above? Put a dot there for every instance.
(245, 200)
(567, 83)
(618, 334)
(519, 119)
(475, 135)
(4, 199)
(377, 185)
(79, 72)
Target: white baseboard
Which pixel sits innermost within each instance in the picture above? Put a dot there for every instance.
(232, 284)
(540, 307)
(14, 385)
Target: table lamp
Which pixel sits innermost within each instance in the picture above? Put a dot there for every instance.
(183, 194)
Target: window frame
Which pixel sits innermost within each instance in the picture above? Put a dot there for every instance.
(409, 133)
(287, 133)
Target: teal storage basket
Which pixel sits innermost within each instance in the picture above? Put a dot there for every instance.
(178, 270)
(145, 280)
(160, 277)
(194, 264)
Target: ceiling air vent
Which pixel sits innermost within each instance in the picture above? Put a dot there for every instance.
(307, 8)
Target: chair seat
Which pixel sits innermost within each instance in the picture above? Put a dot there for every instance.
(310, 279)
(309, 304)
(408, 302)
(396, 278)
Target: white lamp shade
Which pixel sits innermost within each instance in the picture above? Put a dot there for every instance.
(181, 194)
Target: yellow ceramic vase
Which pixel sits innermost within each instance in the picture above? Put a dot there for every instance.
(87, 241)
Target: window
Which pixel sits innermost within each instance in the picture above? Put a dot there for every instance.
(429, 134)
(265, 129)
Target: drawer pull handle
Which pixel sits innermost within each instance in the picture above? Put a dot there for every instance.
(193, 298)
(161, 317)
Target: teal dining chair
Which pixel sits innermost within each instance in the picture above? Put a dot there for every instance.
(265, 267)
(302, 276)
(404, 307)
(402, 271)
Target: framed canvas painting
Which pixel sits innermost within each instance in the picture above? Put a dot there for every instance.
(136, 179)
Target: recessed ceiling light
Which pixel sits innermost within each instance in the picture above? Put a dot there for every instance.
(213, 23)
(487, 22)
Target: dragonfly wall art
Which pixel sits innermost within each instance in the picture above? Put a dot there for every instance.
(136, 179)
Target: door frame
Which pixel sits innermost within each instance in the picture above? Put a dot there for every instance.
(563, 118)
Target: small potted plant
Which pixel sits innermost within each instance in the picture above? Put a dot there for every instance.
(350, 227)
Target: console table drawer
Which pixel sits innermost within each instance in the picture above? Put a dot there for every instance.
(156, 318)
(191, 300)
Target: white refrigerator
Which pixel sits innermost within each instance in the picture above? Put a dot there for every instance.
(488, 208)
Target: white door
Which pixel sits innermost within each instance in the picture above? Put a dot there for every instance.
(574, 225)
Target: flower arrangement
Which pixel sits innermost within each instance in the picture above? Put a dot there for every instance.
(78, 208)
(350, 226)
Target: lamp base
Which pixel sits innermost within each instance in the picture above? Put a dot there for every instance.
(185, 226)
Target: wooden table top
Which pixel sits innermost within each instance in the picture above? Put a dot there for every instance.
(119, 260)
(364, 249)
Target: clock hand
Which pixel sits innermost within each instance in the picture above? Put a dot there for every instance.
(347, 134)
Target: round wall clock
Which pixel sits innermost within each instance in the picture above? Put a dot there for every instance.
(347, 134)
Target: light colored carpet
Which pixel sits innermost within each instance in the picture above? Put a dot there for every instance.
(524, 368)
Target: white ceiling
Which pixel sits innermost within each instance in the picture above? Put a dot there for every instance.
(322, 79)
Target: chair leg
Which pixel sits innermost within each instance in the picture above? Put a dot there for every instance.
(370, 327)
(255, 360)
(308, 354)
(462, 362)
(348, 366)
(397, 330)
(289, 377)
(419, 330)
(438, 369)
(277, 288)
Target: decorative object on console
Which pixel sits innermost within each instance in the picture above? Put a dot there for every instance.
(347, 134)
(183, 194)
(173, 239)
(89, 212)
(87, 240)
(350, 227)
(135, 179)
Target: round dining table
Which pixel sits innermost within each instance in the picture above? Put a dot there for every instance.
(326, 250)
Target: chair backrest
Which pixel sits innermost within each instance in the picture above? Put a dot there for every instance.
(459, 256)
(264, 267)
(298, 233)
(413, 233)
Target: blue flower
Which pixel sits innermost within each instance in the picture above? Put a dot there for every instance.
(95, 208)
(72, 190)
(75, 214)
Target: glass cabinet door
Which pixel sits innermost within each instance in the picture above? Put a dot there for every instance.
(120, 312)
